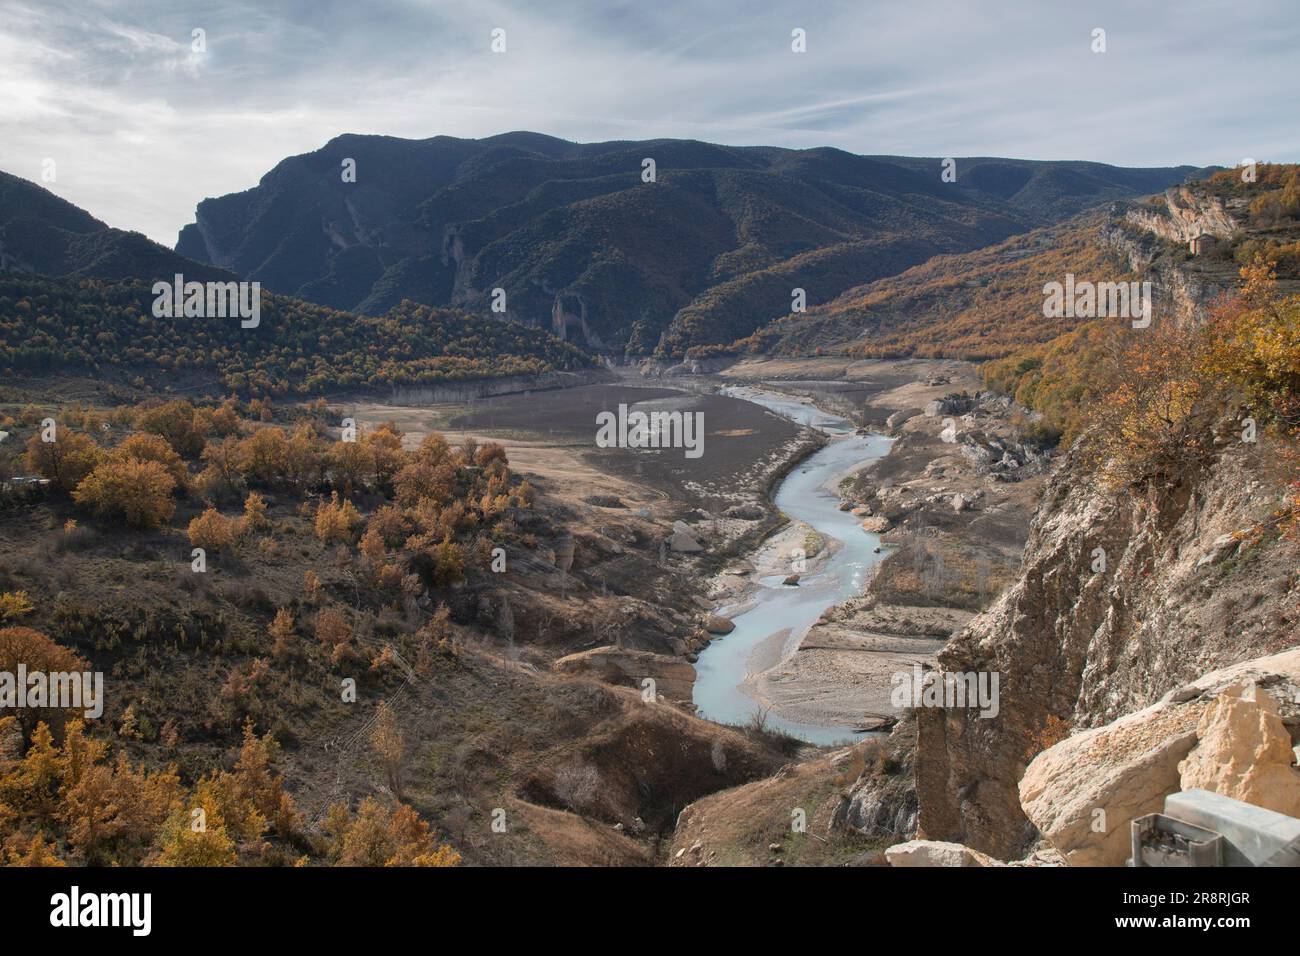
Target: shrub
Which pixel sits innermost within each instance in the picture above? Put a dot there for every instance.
(337, 520)
(254, 519)
(138, 492)
(14, 604)
(212, 531)
(144, 446)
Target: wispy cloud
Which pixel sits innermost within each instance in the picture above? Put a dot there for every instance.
(143, 126)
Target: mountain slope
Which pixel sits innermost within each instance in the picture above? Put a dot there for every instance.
(579, 243)
(39, 232)
(974, 305)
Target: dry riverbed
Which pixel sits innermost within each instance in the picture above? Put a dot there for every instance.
(954, 494)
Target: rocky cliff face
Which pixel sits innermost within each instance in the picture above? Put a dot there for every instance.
(1153, 236)
(1185, 214)
(1121, 598)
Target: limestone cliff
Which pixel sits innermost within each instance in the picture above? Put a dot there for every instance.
(1153, 236)
(1121, 598)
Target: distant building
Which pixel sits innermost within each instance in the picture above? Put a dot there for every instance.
(1202, 244)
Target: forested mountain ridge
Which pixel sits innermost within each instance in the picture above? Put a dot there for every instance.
(107, 329)
(581, 243)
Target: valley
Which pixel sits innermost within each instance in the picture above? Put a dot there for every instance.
(392, 570)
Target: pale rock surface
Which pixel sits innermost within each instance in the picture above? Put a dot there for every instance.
(1126, 768)
(936, 853)
(1244, 752)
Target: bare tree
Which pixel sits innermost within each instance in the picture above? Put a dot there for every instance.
(577, 785)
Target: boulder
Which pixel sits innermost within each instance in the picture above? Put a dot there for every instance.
(674, 678)
(718, 625)
(898, 419)
(745, 512)
(876, 525)
(1244, 751)
(954, 404)
(792, 579)
(1083, 793)
(861, 511)
(936, 853)
(682, 541)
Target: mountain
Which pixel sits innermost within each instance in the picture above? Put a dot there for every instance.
(39, 232)
(706, 253)
(76, 297)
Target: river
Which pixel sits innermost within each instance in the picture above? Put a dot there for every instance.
(806, 494)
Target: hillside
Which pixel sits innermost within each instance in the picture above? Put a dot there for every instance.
(976, 305)
(581, 245)
(988, 303)
(107, 330)
(39, 232)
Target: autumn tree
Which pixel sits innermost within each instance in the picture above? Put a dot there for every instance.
(145, 446)
(305, 458)
(449, 563)
(38, 653)
(337, 520)
(390, 524)
(386, 455)
(263, 456)
(350, 463)
(1252, 344)
(138, 492)
(284, 643)
(176, 422)
(423, 481)
(66, 461)
(332, 628)
(254, 519)
(222, 476)
(376, 837)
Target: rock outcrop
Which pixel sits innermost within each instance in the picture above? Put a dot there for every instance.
(674, 678)
(936, 853)
(1244, 751)
(1213, 734)
(1183, 215)
(1112, 610)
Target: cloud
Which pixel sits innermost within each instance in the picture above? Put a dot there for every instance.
(143, 126)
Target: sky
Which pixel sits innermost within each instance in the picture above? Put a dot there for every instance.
(141, 125)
